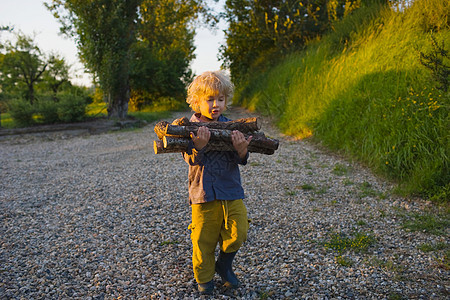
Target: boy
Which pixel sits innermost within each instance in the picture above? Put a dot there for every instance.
(215, 191)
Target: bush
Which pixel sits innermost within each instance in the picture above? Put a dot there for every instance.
(71, 108)
(47, 110)
(21, 111)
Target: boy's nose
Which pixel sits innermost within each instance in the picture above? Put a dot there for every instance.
(215, 103)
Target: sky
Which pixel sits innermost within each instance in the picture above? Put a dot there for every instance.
(33, 19)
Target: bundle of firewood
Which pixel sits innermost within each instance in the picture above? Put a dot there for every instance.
(175, 137)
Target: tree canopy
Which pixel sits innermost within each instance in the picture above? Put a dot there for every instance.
(105, 31)
(141, 48)
(260, 30)
(21, 65)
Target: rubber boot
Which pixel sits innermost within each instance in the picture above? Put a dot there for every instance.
(206, 288)
(224, 269)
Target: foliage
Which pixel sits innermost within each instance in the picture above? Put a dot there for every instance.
(136, 48)
(163, 50)
(437, 62)
(105, 31)
(21, 111)
(21, 67)
(365, 93)
(71, 108)
(66, 107)
(262, 30)
(57, 74)
(47, 110)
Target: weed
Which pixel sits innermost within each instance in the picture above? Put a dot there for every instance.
(344, 261)
(358, 242)
(444, 262)
(290, 193)
(427, 247)
(322, 190)
(340, 170)
(169, 243)
(361, 223)
(263, 295)
(395, 296)
(255, 164)
(347, 182)
(307, 187)
(427, 222)
(367, 190)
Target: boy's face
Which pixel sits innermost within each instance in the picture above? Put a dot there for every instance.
(212, 106)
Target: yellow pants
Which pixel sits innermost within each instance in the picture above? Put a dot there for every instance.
(223, 222)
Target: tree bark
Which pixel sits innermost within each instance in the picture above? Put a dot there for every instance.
(160, 129)
(258, 138)
(177, 144)
(245, 125)
(158, 147)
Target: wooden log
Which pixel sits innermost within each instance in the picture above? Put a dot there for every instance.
(158, 147)
(181, 121)
(160, 129)
(258, 138)
(245, 125)
(182, 145)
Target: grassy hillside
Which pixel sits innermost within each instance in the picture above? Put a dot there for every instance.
(363, 91)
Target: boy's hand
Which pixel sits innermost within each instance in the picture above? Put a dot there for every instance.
(202, 138)
(240, 143)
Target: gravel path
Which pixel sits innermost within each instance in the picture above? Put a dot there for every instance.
(103, 217)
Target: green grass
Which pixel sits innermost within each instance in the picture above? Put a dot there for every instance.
(164, 243)
(362, 91)
(340, 170)
(427, 247)
(307, 187)
(344, 261)
(432, 223)
(7, 121)
(357, 242)
(96, 110)
(149, 114)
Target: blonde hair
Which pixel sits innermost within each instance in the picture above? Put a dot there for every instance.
(207, 84)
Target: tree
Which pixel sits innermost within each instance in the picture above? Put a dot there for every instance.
(105, 32)
(165, 47)
(56, 74)
(260, 30)
(22, 65)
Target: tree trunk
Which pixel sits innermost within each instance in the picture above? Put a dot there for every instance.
(31, 93)
(118, 104)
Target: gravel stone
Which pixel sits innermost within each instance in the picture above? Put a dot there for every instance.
(103, 217)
